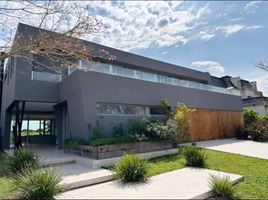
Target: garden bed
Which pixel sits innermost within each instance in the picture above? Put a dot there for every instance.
(116, 150)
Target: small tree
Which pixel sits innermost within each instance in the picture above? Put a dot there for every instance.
(180, 115)
(250, 116)
(165, 107)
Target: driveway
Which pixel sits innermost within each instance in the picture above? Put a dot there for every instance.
(243, 147)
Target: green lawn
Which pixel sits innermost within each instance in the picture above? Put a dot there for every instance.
(5, 187)
(254, 170)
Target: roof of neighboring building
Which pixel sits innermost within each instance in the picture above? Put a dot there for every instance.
(255, 100)
(219, 82)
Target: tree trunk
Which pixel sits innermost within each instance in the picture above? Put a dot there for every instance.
(18, 125)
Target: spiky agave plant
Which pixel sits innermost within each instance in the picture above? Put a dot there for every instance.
(38, 184)
(21, 159)
(132, 168)
(194, 156)
(222, 188)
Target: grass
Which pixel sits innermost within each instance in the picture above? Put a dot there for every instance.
(5, 187)
(254, 170)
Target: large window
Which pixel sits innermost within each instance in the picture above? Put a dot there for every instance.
(46, 76)
(120, 109)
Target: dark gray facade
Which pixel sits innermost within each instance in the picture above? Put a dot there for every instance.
(72, 101)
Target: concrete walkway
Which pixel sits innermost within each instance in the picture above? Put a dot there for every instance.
(75, 175)
(187, 183)
(243, 147)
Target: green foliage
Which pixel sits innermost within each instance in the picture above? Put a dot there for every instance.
(132, 168)
(194, 156)
(138, 127)
(222, 188)
(264, 118)
(73, 143)
(38, 184)
(21, 159)
(258, 131)
(180, 116)
(118, 131)
(250, 116)
(164, 131)
(241, 133)
(165, 107)
(5, 188)
(97, 132)
(118, 140)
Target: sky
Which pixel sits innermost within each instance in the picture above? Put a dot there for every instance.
(223, 38)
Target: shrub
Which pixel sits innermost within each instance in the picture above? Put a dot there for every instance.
(241, 133)
(180, 116)
(38, 184)
(222, 188)
(21, 159)
(118, 131)
(164, 131)
(107, 141)
(132, 168)
(96, 133)
(73, 143)
(138, 127)
(250, 116)
(165, 107)
(258, 131)
(194, 156)
(4, 169)
(264, 118)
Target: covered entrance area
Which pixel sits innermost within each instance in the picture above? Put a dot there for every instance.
(36, 123)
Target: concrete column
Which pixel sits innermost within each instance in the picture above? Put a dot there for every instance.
(58, 125)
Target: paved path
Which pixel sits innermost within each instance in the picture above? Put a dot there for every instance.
(243, 147)
(75, 175)
(187, 183)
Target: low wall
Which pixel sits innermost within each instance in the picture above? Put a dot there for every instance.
(205, 124)
(94, 163)
(115, 150)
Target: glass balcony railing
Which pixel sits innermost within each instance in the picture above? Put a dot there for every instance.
(152, 77)
(131, 73)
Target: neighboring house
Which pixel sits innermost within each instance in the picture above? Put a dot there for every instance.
(247, 89)
(251, 97)
(258, 104)
(110, 92)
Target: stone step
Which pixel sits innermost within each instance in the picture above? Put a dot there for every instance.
(57, 162)
(76, 176)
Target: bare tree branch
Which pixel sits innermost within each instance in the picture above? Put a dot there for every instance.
(68, 18)
(263, 65)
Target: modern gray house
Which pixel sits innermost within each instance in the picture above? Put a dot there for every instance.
(108, 91)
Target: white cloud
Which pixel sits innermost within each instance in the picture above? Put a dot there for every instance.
(205, 35)
(165, 52)
(262, 84)
(230, 29)
(215, 68)
(254, 27)
(139, 25)
(252, 6)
